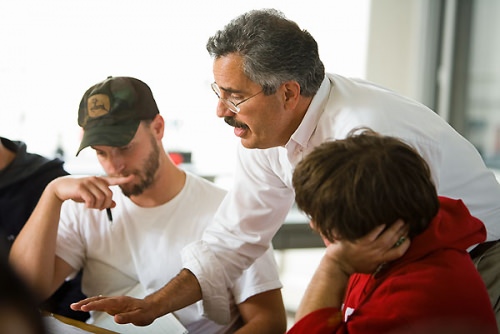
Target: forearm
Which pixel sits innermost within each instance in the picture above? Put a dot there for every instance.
(263, 326)
(263, 313)
(183, 290)
(33, 252)
(326, 289)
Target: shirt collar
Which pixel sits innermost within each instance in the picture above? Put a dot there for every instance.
(299, 139)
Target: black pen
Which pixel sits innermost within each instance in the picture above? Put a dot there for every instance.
(110, 216)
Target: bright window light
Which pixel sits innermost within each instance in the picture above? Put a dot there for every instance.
(53, 50)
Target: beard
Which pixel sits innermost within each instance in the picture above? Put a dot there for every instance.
(147, 175)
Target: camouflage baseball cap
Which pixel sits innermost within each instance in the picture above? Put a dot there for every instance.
(110, 111)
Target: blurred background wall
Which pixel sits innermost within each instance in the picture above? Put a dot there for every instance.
(440, 52)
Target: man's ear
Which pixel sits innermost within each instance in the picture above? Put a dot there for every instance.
(158, 126)
(291, 90)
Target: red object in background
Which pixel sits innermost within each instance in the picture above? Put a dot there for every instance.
(177, 158)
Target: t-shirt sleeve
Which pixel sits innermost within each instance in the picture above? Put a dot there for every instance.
(261, 276)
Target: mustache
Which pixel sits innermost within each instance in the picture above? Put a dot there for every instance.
(231, 121)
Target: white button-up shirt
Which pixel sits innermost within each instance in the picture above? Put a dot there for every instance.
(262, 194)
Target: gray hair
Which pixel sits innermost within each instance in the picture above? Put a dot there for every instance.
(274, 50)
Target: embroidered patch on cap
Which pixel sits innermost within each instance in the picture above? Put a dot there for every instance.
(98, 105)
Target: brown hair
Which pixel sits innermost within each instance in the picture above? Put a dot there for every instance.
(350, 186)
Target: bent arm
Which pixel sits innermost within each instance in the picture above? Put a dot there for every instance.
(343, 258)
(263, 313)
(33, 252)
(326, 289)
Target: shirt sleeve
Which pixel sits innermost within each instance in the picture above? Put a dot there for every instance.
(243, 228)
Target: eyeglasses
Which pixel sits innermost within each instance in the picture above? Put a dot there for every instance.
(234, 107)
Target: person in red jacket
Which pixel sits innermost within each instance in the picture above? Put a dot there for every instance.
(355, 189)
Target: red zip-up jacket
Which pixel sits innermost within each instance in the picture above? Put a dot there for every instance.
(433, 288)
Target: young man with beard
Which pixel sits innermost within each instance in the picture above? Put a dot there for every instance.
(156, 209)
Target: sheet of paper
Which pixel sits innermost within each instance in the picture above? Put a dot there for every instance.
(166, 324)
(55, 326)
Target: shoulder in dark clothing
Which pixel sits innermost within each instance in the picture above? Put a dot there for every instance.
(21, 185)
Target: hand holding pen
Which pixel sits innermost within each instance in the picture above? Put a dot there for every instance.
(94, 191)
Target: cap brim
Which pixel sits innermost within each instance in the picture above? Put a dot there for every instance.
(109, 135)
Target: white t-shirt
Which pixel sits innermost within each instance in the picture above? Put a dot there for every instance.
(262, 194)
(139, 252)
